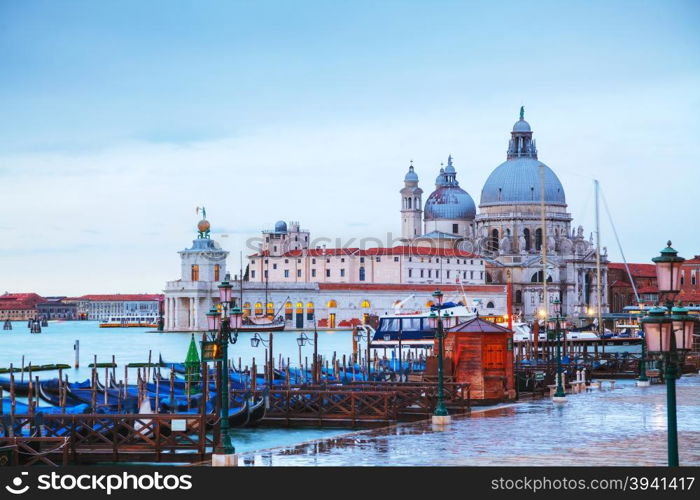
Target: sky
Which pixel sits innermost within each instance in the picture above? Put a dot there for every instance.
(119, 118)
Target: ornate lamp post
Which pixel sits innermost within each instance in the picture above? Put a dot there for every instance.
(643, 380)
(440, 416)
(668, 337)
(255, 341)
(221, 323)
(358, 337)
(554, 325)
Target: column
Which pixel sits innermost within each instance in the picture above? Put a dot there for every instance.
(195, 319)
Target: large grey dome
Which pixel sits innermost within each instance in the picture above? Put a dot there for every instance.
(517, 181)
(449, 202)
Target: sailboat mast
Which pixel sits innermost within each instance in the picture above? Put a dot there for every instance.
(599, 308)
(241, 282)
(543, 244)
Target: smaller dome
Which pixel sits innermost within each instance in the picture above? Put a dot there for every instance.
(203, 226)
(280, 226)
(521, 126)
(450, 169)
(411, 176)
(440, 180)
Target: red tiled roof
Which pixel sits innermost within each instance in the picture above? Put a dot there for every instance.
(10, 301)
(620, 284)
(637, 270)
(694, 260)
(408, 287)
(398, 250)
(127, 297)
(689, 295)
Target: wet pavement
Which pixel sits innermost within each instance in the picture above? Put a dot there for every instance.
(625, 426)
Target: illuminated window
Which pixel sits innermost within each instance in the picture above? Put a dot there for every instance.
(429, 303)
(309, 310)
(217, 269)
(270, 309)
(331, 303)
(365, 304)
(288, 310)
(195, 273)
(300, 308)
(246, 309)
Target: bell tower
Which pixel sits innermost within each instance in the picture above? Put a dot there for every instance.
(411, 206)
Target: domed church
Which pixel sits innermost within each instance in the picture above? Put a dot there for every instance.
(508, 230)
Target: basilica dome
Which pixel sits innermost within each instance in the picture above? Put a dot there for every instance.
(449, 201)
(517, 181)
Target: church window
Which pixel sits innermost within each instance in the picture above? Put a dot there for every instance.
(537, 278)
(409, 203)
(195, 273)
(421, 273)
(217, 269)
(682, 278)
(342, 273)
(313, 261)
(448, 274)
(252, 273)
(455, 228)
(396, 259)
(471, 274)
(362, 274)
(410, 273)
(430, 271)
(538, 238)
(298, 273)
(313, 273)
(692, 279)
(493, 243)
(526, 235)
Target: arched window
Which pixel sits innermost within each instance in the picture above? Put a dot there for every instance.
(246, 309)
(217, 270)
(362, 274)
(538, 238)
(287, 310)
(493, 246)
(692, 279)
(490, 305)
(300, 308)
(270, 309)
(409, 203)
(309, 310)
(537, 278)
(331, 304)
(365, 304)
(526, 234)
(195, 273)
(258, 309)
(518, 297)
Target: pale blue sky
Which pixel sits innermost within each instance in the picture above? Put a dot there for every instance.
(117, 118)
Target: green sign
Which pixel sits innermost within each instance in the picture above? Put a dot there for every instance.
(211, 351)
(539, 376)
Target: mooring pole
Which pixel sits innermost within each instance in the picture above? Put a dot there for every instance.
(76, 348)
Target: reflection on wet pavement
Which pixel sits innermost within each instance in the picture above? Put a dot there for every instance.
(624, 426)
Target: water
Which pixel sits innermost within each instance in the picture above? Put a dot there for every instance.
(625, 426)
(55, 345)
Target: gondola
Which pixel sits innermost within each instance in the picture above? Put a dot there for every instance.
(256, 412)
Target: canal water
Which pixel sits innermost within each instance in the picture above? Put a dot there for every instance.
(625, 426)
(130, 345)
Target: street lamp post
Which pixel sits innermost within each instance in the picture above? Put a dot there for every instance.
(555, 325)
(668, 333)
(255, 341)
(224, 454)
(643, 380)
(441, 415)
(302, 339)
(358, 337)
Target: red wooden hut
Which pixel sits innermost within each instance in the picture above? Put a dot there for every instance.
(482, 355)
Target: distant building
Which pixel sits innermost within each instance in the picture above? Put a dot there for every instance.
(620, 288)
(56, 308)
(19, 306)
(690, 282)
(97, 307)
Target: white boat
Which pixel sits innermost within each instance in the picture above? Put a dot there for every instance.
(140, 321)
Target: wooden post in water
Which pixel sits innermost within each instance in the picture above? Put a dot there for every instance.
(253, 377)
(106, 384)
(76, 348)
(13, 400)
(172, 391)
(114, 368)
(21, 377)
(126, 380)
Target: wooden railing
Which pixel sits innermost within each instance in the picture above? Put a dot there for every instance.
(36, 450)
